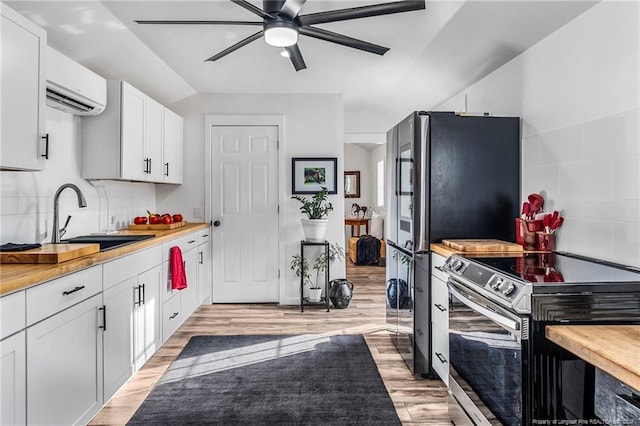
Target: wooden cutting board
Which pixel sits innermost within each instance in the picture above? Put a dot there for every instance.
(482, 245)
(50, 253)
(158, 226)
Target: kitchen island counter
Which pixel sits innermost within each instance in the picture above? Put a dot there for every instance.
(20, 276)
(611, 348)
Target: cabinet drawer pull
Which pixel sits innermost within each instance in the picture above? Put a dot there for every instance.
(175, 314)
(440, 307)
(191, 241)
(205, 235)
(104, 317)
(68, 292)
(46, 146)
(441, 358)
(439, 268)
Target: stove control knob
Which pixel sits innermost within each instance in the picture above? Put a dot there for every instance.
(509, 289)
(495, 282)
(457, 265)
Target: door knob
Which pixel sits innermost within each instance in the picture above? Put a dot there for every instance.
(216, 223)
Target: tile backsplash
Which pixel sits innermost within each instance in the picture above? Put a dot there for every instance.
(26, 198)
(591, 173)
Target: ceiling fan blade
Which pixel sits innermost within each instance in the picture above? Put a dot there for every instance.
(296, 57)
(291, 8)
(253, 9)
(343, 40)
(236, 46)
(362, 12)
(199, 22)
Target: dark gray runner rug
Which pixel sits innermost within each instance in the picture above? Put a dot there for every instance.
(270, 380)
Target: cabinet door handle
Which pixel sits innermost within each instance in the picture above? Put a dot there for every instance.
(46, 146)
(440, 307)
(201, 258)
(419, 331)
(68, 292)
(441, 358)
(166, 169)
(175, 314)
(143, 300)
(149, 166)
(139, 300)
(419, 290)
(104, 317)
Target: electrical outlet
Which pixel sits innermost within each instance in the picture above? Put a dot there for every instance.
(197, 212)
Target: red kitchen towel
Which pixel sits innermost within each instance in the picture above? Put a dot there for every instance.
(176, 269)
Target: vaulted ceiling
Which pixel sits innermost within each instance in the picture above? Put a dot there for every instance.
(434, 53)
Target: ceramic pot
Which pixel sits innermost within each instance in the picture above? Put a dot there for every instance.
(315, 294)
(314, 229)
(340, 293)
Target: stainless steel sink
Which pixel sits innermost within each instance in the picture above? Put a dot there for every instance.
(107, 242)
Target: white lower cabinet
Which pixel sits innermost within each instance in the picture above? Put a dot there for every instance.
(13, 380)
(64, 366)
(204, 268)
(118, 336)
(147, 333)
(133, 324)
(439, 319)
(179, 304)
(189, 299)
(171, 317)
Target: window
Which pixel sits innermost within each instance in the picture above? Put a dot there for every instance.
(380, 184)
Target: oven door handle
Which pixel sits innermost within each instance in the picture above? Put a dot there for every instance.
(508, 323)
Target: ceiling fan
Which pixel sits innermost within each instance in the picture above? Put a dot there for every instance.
(281, 24)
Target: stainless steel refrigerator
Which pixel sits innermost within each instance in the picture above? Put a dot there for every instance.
(448, 176)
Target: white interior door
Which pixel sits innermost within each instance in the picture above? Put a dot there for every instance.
(244, 186)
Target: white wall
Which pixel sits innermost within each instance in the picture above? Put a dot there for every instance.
(577, 92)
(313, 127)
(26, 198)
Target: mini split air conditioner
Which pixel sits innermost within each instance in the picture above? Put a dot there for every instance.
(72, 87)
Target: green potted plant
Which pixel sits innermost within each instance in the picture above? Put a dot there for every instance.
(300, 265)
(316, 209)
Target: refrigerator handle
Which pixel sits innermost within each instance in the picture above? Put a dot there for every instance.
(397, 178)
(423, 181)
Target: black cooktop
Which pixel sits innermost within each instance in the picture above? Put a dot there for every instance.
(559, 268)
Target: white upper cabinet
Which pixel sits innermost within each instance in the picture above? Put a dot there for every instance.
(127, 140)
(172, 150)
(153, 138)
(23, 93)
(133, 160)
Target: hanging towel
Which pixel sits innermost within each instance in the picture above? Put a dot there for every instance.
(177, 274)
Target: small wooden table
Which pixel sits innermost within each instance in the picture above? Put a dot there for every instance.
(357, 222)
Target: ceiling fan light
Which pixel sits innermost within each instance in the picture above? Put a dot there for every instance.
(281, 34)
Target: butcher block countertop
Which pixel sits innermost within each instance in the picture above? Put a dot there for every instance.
(612, 348)
(20, 276)
(445, 251)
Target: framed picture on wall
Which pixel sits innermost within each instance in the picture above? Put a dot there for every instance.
(352, 184)
(309, 175)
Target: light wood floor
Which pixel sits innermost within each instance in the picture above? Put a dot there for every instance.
(418, 401)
